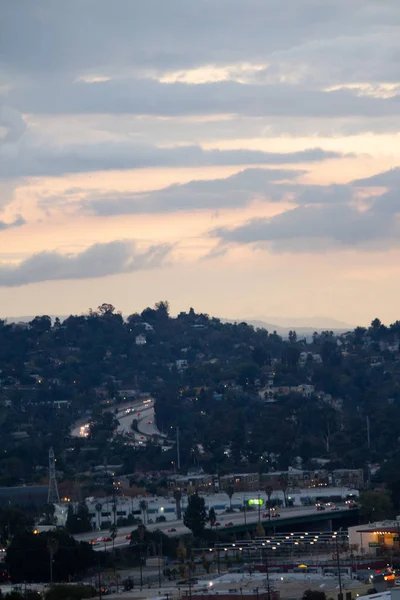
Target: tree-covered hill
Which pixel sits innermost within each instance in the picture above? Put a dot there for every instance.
(242, 397)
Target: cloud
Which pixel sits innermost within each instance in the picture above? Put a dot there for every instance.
(126, 36)
(389, 178)
(99, 260)
(212, 194)
(18, 222)
(267, 185)
(12, 124)
(317, 228)
(150, 97)
(39, 160)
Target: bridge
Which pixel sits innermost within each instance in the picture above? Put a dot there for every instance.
(313, 521)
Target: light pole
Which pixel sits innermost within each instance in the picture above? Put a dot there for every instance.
(267, 574)
(338, 568)
(159, 559)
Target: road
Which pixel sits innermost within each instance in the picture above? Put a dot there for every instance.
(141, 410)
(180, 529)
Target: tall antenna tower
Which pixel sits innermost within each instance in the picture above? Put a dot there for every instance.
(52, 496)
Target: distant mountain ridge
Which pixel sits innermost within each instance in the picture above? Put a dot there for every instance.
(302, 326)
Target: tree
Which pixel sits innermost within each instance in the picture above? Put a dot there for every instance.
(70, 592)
(105, 309)
(13, 521)
(143, 507)
(78, 521)
(181, 554)
(314, 595)
(269, 490)
(195, 516)
(99, 508)
(230, 490)
(113, 534)
(375, 506)
(28, 556)
(178, 499)
(284, 484)
(162, 307)
(260, 531)
(212, 517)
(49, 510)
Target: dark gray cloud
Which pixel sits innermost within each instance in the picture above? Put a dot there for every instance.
(48, 37)
(150, 97)
(272, 185)
(99, 260)
(319, 227)
(211, 194)
(389, 178)
(30, 160)
(12, 123)
(16, 223)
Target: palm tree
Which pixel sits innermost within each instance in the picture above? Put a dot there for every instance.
(212, 517)
(230, 490)
(178, 499)
(113, 534)
(284, 484)
(269, 490)
(143, 505)
(98, 509)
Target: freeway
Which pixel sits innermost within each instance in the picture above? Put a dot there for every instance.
(176, 528)
(141, 410)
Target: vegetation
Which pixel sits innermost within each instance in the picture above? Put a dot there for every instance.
(243, 398)
(29, 557)
(195, 516)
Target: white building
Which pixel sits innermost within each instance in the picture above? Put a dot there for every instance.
(140, 340)
(181, 364)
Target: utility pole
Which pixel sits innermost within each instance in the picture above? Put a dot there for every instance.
(160, 553)
(52, 495)
(99, 581)
(338, 568)
(178, 450)
(369, 453)
(368, 434)
(267, 574)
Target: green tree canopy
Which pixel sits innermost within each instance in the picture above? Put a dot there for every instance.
(195, 516)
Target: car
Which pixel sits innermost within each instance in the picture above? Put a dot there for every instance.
(95, 542)
(228, 524)
(352, 505)
(103, 539)
(128, 537)
(331, 506)
(273, 513)
(171, 529)
(320, 506)
(191, 580)
(149, 422)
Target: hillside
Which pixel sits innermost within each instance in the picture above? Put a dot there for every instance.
(243, 398)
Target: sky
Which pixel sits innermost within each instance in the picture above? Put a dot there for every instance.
(238, 157)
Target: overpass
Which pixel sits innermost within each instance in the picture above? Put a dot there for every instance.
(291, 519)
(314, 521)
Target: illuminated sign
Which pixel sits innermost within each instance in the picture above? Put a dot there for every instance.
(255, 502)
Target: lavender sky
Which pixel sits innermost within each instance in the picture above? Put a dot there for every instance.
(238, 156)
